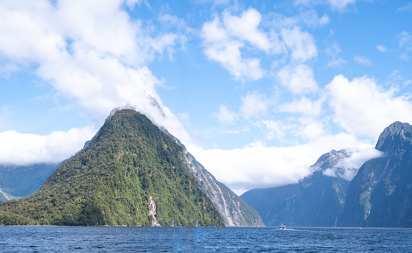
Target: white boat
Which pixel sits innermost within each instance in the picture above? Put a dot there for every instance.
(282, 226)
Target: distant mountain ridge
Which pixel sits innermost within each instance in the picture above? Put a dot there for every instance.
(380, 195)
(18, 181)
(317, 200)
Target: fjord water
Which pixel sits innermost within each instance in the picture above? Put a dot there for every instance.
(180, 239)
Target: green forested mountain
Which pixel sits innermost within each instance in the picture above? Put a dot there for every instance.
(131, 173)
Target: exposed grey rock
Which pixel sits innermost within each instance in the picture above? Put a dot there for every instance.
(234, 211)
(152, 212)
(380, 195)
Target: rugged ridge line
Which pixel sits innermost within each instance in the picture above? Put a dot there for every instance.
(316, 201)
(380, 195)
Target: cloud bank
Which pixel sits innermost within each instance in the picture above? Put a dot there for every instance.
(23, 149)
(90, 52)
(259, 166)
(348, 167)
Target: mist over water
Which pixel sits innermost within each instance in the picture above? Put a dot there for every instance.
(138, 239)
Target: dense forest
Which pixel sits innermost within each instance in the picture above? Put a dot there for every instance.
(110, 183)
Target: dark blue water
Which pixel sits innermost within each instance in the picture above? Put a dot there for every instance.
(135, 239)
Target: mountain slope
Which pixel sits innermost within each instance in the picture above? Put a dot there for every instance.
(260, 199)
(380, 195)
(232, 208)
(23, 181)
(316, 201)
(131, 173)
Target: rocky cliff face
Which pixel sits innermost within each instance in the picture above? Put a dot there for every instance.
(317, 200)
(232, 208)
(380, 195)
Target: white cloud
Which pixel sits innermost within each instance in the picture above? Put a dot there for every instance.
(324, 20)
(362, 60)
(348, 167)
(298, 79)
(335, 4)
(221, 48)
(364, 108)
(381, 48)
(215, 2)
(301, 44)
(309, 18)
(293, 130)
(405, 42)
(254, 104)
(311, 129)
(226, 38)
(333, 52)
(131, 3)
(405, 39)
(407, 7)
(225, 116)
(304, 106)
(22, 149)
(258, 166)
(276, 129)
(245, 28)
(90, 52)
(340, 4)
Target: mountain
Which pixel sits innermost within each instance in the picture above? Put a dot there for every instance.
(380, 195)
(23, 181)
(317, 200)
(261, 199)
(131, 173)
(234, 210)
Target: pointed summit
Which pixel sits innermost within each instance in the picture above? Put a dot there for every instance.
(131, 173)
(317, 200)
(393, 134)
(380, 195)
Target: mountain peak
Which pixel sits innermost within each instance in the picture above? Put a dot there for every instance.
(330, 159)
(385, 142)
(116, 109)
(130, 174)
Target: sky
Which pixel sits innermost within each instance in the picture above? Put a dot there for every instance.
(256, 90)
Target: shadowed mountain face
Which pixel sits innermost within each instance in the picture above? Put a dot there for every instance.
(232, 208)
(317, 200)
(23, 181)
(380, 195)
(131, 173)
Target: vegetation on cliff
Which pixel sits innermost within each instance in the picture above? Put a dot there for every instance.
(111, 181)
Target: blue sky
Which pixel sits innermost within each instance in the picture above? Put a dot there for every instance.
(257, 90)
